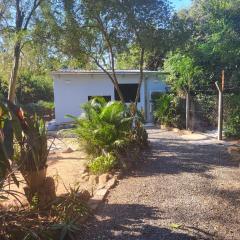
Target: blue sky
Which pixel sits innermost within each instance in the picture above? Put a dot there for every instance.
(179, 4)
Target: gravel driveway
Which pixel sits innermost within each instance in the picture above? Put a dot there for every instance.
(186, 188)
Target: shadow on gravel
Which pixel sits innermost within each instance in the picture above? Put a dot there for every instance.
(232, 196)
(174, 156)
(134, 222)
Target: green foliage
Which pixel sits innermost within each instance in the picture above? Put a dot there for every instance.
(164, 109)
(104, 126)
(102, 164)
(33, 144)
(5, 164)
(232, 125)
(232, 116)
(205, 109)
(33, 88)
(168, 110)
(41, 108)
(107, 130)
(4, 159)
(183, 72)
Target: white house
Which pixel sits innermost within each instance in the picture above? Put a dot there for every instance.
(72, 88)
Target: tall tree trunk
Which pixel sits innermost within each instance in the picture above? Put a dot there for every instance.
(112, 76)
(141, 78)
(14, 73)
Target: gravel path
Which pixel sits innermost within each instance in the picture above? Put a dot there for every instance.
(186, 188)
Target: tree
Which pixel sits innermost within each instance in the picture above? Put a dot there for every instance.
(182, 74)
(89, 30)
(215, 40)
(101, 30)
(148, 21)
(15, 20)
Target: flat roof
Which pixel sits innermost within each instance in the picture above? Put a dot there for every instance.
(85, 72)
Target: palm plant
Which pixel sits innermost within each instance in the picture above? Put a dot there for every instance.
(104, 127)
(107, 131)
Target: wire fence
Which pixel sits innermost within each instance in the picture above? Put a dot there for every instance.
(204, 107)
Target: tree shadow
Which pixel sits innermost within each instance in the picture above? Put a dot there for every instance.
(135, 221)
(174, 156)
(231, 196)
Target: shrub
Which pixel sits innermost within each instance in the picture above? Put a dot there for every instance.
(32, 88)
(41, 108)
(205, 109)
(232, 125)
(232, 115)
(103, 164)
(108, 128)
(104, 127)
(168, 110)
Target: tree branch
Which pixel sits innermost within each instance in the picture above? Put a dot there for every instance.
(111, 56)
(35, 6)
(141, 76)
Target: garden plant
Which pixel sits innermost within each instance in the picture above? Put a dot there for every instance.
(107, 130)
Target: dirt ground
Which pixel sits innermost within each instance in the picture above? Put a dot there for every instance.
(65, 167)
(187, 187)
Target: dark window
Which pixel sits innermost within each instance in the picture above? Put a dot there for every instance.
(129, 92)
(107, 98)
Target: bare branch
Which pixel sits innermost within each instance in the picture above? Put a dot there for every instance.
(111, 56)
(36, 4)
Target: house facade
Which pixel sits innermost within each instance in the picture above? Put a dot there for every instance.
(72, 88)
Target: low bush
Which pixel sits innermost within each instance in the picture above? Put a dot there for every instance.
(102, 164)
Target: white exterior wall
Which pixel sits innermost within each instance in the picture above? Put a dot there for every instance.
(72, 90)
(155, 83)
